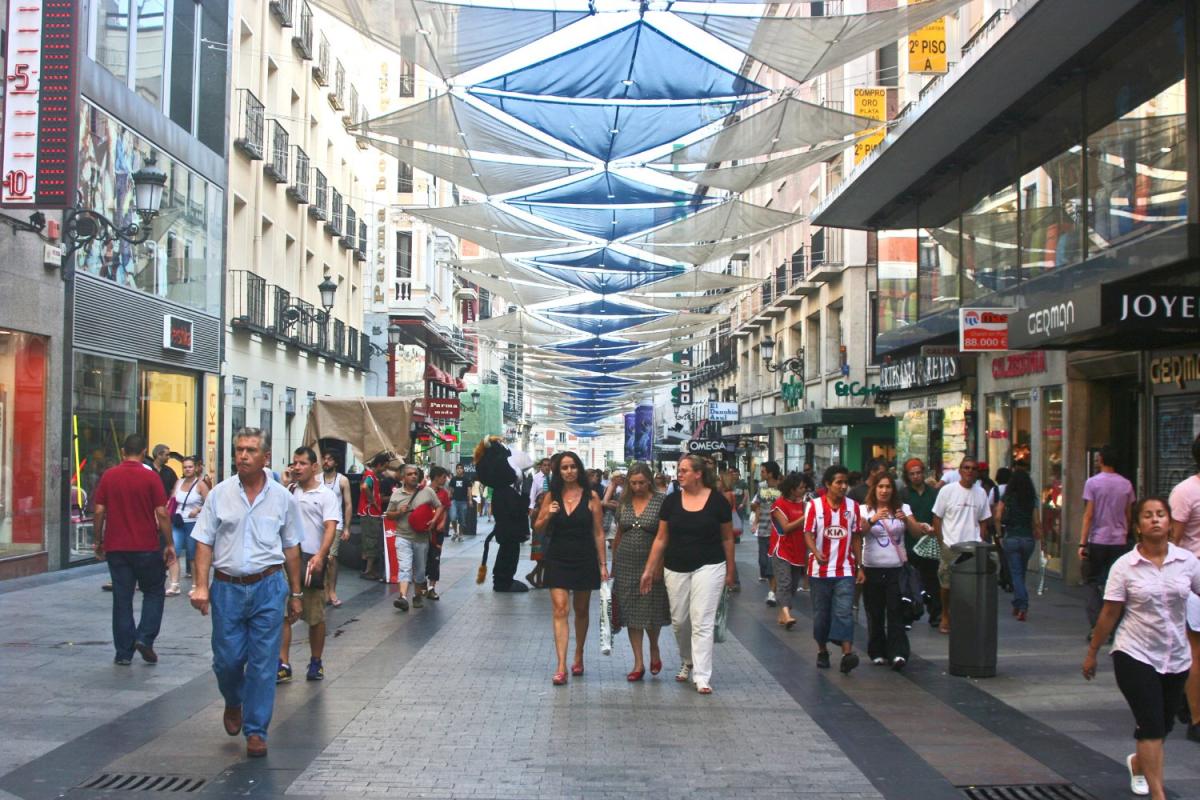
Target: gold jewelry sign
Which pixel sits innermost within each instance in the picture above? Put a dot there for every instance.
(927, 48)
(870, 103)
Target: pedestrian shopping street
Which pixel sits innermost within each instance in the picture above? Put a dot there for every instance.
(455, 701)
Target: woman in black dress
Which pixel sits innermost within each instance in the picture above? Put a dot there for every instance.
(570, 514)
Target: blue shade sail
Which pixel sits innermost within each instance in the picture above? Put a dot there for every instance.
(601, 316)
(603, 282)
(604, 258)
(607, 365)
(637, 62)
(596, 347)
(609, 131)
(608, 206)
(596, 394)
(601, 380)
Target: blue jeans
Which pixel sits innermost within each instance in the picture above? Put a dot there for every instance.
(247, 628)
(833, 609)
(458, 511)
(184, 543)
(144, 570)
(1018, 549)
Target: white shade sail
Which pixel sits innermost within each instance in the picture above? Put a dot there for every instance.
(714, 233)
(741, 177)
(449, 121)
(447, 39)
(476, 174)
(804, 47)
(491, 227)
(699, 280)
(787, 125)
(504, 268)
(523, 294)
(677, 303)
(520, 322)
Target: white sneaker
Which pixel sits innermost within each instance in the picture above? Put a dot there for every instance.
(1137, 783)
(879, 661)
(771, 599)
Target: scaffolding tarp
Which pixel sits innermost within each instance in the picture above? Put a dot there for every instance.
(805, 47)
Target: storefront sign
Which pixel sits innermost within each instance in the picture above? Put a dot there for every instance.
(916, 372)
(855, 389)
(709, 446)
(793, 434)
(442, 407)
(1153, 305)
(982, 329)
(212, 421)
(872, 104)
(930, 402)
(41, 99)
(1174, 372)
(827, 432)
(722, 412)
(177, 333)
(1019, 365)
(939, 350)
(793, 392)
(927, 48)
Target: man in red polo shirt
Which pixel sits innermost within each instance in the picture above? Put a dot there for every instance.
(133, 533)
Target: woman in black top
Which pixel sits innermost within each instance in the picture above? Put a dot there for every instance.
(694, 551)
(575, 558)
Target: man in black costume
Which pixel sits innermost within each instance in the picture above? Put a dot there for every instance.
(502, 470)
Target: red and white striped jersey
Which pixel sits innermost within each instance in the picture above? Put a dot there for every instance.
(833, 529)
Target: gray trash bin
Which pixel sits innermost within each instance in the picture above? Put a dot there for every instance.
(471, 523)
(973, 610)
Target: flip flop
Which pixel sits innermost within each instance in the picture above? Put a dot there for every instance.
(336, 603)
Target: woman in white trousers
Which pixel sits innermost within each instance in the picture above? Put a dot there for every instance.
(693, 553)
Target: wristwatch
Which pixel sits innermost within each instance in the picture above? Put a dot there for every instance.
(297, 595)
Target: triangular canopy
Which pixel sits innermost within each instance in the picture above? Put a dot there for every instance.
(610, 131)
(601, 316)
(487, 224)
(786, 125)
(450, 121)
(448, 39)
(699, 280)
(742, 177)
(603, 270)
(476, 174)
(523, 294)
(502, 268)
(608, 205)
(804, 47)
(637, 62)
(713, 233)
(595, 347)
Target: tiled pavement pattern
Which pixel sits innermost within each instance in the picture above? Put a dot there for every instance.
(598, 737)
(455, 701)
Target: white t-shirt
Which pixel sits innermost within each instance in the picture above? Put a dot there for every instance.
(883, 541)
(317, 506)
(961, 510)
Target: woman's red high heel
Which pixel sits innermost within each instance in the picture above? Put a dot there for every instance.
(577, 670)
(655, 667)
(636, 675)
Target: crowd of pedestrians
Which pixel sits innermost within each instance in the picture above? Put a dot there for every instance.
(261, 552)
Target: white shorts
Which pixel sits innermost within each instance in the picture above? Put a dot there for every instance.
(1193, 612)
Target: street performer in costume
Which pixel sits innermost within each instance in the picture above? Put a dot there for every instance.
(501, 470)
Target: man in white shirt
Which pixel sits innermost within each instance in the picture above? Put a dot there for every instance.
(249, 533)
(320, 513)
(960, 514)
(339, 484)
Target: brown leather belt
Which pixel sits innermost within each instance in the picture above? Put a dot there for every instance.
(246, 580)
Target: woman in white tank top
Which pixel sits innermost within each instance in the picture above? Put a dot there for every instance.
(188, 499)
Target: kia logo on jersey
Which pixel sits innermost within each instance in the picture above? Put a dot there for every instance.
(835, 532)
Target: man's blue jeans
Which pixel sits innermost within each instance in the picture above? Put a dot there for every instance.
(833, 609)
(144, 570)
(247, 627)
(1018, 549)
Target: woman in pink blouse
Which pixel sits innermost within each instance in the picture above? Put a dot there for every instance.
(1151, 658)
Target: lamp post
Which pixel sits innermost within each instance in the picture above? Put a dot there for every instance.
(794, 364)
(713, 394)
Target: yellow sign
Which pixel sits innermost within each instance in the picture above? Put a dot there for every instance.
(872, 104)
(927, 48)
(212, 426)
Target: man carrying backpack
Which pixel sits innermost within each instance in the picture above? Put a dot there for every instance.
(413, 508)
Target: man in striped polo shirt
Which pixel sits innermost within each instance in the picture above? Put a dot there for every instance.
(833, 532)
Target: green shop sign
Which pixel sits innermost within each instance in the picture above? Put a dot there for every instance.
(793, 393)
(854, 389)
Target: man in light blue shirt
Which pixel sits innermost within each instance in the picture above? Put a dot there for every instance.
(249, 533)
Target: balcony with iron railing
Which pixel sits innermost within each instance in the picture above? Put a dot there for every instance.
(282, 11)
(360, 249)
(320, 70)
(349, 232)
(250, 121)
(276, 167)
(247, 300)
(334, 225)
(351, 116)
(317, 209)
(302, 40)
(337, 97)
(298, 188)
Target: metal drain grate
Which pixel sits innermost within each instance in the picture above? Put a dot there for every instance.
(126, 782)
(1028, 791)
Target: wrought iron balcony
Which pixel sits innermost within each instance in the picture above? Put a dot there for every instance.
(282, 11)
(302, 40)
(276, 167)
(247, 300)
(317, 209)
(320, 70)
(250, 120)
(337, 97)
(334, 226)
(350, 231)
(298, 189)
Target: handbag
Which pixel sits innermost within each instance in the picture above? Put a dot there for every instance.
(606, 627)
(421, 518)
(721, 625)
(927, 547)
(175, 509)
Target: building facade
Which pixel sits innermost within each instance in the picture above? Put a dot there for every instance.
(1067, 200)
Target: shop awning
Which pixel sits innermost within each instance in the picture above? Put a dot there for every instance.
(439, 376)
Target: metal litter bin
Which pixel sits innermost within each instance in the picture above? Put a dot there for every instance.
(974, 603)
(469, 525)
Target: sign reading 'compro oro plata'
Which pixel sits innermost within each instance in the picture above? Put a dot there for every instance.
(916, 372)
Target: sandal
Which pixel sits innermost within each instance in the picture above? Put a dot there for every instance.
(577, 670)
(173, 590)
(684, 672)
(704, 689)
(559, 679)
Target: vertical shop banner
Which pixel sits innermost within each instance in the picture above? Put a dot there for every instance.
(644, 445)
(630, 437)
(927, 49)
(870, 102)
(212, 422)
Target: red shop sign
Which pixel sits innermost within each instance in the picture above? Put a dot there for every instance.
(442, 407)
(1015, 366)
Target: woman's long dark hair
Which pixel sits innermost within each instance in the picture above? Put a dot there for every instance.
(893, 503)
(556, 481)
(1020, 492)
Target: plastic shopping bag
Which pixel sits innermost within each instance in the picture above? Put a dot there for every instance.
(1042, 563)
(721, 626)
(606, 631)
